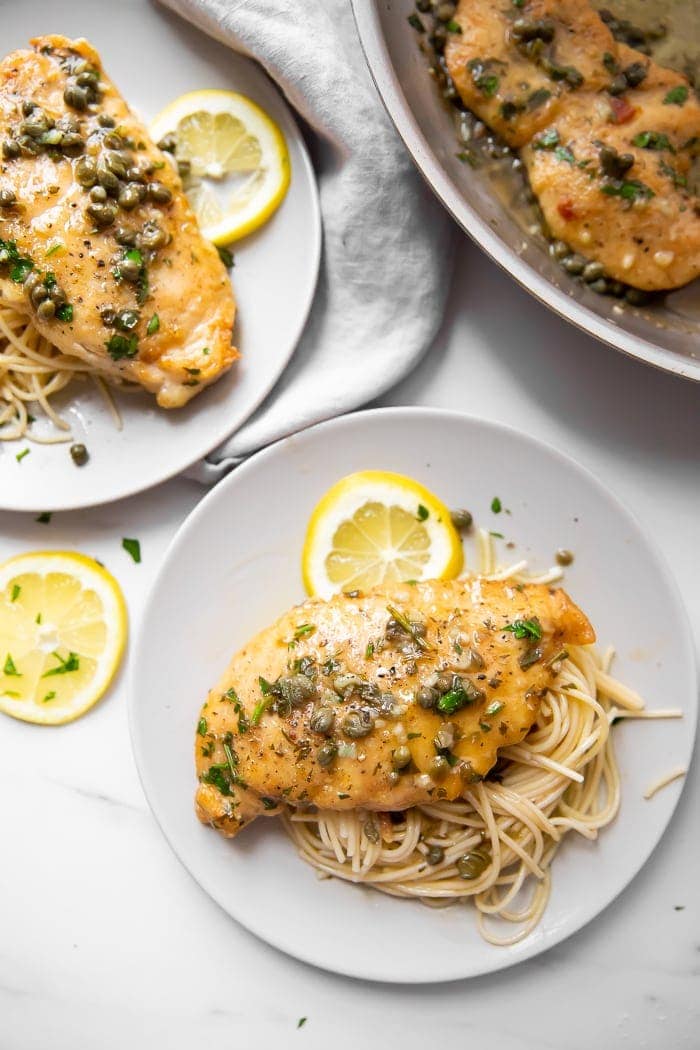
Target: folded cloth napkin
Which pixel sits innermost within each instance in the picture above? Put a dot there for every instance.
(386, 241)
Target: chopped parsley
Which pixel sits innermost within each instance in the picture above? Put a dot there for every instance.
(677, 96)
(44, 518)
(19, 265)
(153, 325)
(65, 313)
(453, 26)
(369, 651)
(55, 248)
(9, 669)
(547, 140)
(121, 346)
(497, 535)
(304, 629)
(653, 140)
(132, 547)
(49, 696)
(422, 513)
(531, 628)
(496, 505)
(202, 727)
(301, 1022)
(415, 23)
(71, 663)
(20, 455)
(16, 591)
(495, 708)
(564, 153)
(630, 190)
(487, 83)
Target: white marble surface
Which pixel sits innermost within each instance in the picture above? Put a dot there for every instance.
(106, 942)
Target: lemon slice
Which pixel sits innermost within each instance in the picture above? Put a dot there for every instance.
(376, 527)
(62, 634)
(238, 160)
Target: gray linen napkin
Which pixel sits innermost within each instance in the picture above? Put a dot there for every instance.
(386, 241)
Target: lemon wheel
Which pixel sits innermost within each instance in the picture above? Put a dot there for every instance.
(235, 156)
(63, 628)
(377, 527)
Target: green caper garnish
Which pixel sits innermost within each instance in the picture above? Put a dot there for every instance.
(113, 141)
(103, 215)
(28, 107)
(129, 197)
(635, 74)
(357, 724)
(169, 143)
(136, 174)
(98, 194)
(108, 180)
(559, 249)
(439, 767)
(322, 721)
(126, 320)
(564, 557)
(401, 757)
(592, 271)
(129, 269)
(636, 296)
(114, 162)
(184, 167)
(435, 855)
(159, 193)
(87, 79)
(444, 12)
(153, 237)
(427, 697)
(105, 121)
(461, 519)
(574, 264)
(79, 454)
(326, 754)
(38, 293)
(473, 864)
(10, 149)
(46, 310)
(75, 97)
(7, 198)
(72, 143)
(124, 236)
(600, 287)
(525, 29)
(86, 172)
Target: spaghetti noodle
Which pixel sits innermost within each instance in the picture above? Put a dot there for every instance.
(562, 777)
(32, 373)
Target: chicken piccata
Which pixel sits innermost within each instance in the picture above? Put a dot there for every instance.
(607, 135)
(98, 244)
(381, 701)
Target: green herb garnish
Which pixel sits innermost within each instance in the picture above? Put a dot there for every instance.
(132, 547)
(20, 455)
(304, 629)
(202, 727)
(49, 696)
(408, 627)
(65, 313)
(301, 1022)
(120, 346)
(226, 257)
(495, 708)
(547, 140)
(44, 518)
(453, 26)
(422, 512)
(9, 669)
(55, 248)
(16, 591)
(71, 663)
(496, 505)
(153, 325)
(653, 140)
(676, 96)
(630, 190)
(525, 628)
(564, 153)
(369, 651)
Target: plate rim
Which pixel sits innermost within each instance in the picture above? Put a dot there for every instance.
(315, 246)
(300, 951)
(477, 229)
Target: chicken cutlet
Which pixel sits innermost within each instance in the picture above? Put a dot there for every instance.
(98, 244)
(381, 701)
(606, 134)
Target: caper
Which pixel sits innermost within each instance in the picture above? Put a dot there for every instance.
(153, 237)
(439, 767)
(635, 74)
(57, 295)
(79, 454)
(159, 193)
(326, 754)
(357, 724)
(31, 281)
(297, 689)
(129, 197)
(7, 198)
(68, 124)
(46, 310)
(27, 146)
(105, 121)
(98, 194)
(573, 77)
(86, 172)
(4, 257)
(103, 214)
(616, 288)
(52, 138)
(636, 297)
(38, 293)
(445, 736)
(426, 697)
(371, 830)
(574, 264)
(136, 174)
(72, 143)
(184, 167)
(525, 29)
(401, 757)
(108, 180)
(444, 12)
(424, 6)
(126, 320)
(445, 681)
(75, 97)
(600, 287)
(435, 855)
(473, 864)
(592, 271)
(461, 519)
(78, 65)
(169, 143)
(124, 236)
(322, 720)
(10, 149)
(613, 163)
(88, 79)
(129, 269)
(618, 85)
(34, 126)
(28, 107)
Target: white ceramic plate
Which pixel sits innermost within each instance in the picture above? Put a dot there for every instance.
(234, 566)
(154, 57)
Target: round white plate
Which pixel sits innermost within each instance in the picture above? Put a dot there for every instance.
(154, 57)
(234, 566)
